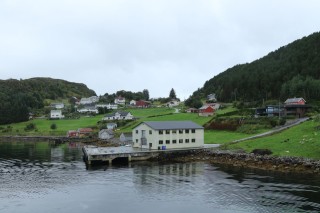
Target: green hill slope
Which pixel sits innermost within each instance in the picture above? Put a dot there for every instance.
(18, 97)
(292, 70)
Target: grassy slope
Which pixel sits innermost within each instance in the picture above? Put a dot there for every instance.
(300, 141)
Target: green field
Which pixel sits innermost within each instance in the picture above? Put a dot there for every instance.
(222, 137)
(300, 141)
(149, 114)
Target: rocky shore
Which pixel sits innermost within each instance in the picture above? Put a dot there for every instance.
(264, 162)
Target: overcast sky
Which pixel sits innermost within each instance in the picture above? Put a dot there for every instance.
(112, 45)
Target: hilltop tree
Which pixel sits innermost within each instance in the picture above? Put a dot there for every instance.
(145, 93)
(172, 94)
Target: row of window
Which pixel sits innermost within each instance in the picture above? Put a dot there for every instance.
(177, 141)
(180, 131)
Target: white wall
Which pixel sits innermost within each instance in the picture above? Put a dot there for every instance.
(155, 137)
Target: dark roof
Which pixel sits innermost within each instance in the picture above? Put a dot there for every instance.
(163, 125)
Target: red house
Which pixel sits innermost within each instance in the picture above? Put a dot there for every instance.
(72, 134)
(295, 101)
(296, 107)
(142, 104)
(206, 110)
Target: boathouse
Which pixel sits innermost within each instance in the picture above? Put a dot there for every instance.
(158, 135)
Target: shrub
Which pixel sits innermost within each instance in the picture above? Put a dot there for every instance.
(273, 122)
(30, 127)
(53, 126)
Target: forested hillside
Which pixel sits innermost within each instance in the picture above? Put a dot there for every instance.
(19, 97)
(291, 71)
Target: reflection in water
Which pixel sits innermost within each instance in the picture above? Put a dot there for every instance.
(37, 177)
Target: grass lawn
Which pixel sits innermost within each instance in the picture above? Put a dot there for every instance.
(299, 141)
(222, 137)
(43, 126)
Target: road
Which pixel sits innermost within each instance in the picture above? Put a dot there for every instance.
(275, 130)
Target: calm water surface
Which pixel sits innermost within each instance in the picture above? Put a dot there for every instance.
(38, 177)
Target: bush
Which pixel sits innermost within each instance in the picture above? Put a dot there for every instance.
(30, 127)
(53, 126)
(273, 122)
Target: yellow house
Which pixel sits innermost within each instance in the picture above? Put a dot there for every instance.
(168, 135)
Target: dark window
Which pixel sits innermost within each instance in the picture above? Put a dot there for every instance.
(161, 142)
(150, 132)
(187, 131)
(180, 131)
(160, 132)
(187, 140)
(167, 141)
(174, 131)
(193, 130)
(167, 132)
(137, 140)
(137, 131)
(180, 140)
(174, 141)
(193, 140)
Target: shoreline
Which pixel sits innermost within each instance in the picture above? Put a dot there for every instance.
(245, 160)
(285, 164)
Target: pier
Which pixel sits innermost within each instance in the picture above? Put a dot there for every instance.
(94, 154)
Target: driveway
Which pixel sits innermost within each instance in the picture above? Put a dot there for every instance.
(275, 130)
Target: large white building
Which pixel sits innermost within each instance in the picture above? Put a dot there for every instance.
(168, 135)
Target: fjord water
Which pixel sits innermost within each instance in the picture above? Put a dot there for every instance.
(39, 177)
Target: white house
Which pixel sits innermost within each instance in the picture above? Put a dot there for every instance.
(108, 106)
(118, 116)
(212, 97)
(90, 109)
(168, 135)
(133, 102)
(120, 100)
(56, 114)
(106, 134)
(90, 100)
(126, 138)
(173, 103)
(111, 125)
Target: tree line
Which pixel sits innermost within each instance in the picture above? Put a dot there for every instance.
(291, 71)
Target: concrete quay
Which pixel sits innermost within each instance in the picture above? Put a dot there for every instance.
(95, 154)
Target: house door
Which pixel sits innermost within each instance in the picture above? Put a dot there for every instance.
(150, 145)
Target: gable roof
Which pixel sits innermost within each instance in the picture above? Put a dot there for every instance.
(206, 107)
(165, 125)
(294, 100)
(109, 131)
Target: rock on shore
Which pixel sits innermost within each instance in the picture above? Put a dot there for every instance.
(265, 162)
